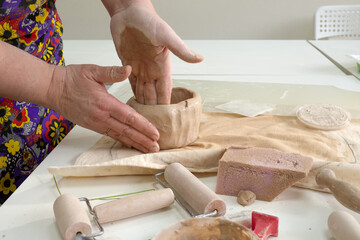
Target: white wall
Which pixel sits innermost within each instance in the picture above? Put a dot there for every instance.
(206, 19)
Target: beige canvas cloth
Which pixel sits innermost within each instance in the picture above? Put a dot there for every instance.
(338, 150)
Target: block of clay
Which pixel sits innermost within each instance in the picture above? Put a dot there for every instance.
(178, 123)
(264, 171)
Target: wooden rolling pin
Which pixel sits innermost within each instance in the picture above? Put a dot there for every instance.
(134, 205)
(343, 226)
(72, 218)
(345, 193)
(201, 198)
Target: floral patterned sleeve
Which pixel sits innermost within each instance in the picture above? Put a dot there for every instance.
(29, 132)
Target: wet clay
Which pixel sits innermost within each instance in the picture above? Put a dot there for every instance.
(246, 197)
(178, 123)
(205, 228)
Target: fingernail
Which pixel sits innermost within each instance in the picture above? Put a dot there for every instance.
(155, 137)
(121, 72)
(154, 149)
(200, 57)
(197, 56)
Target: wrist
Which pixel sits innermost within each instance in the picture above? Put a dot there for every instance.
(53, 95)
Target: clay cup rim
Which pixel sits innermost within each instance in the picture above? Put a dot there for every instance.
(180, 96)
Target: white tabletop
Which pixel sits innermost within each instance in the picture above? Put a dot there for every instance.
(227, 57)
(339, 52)
(303, 213)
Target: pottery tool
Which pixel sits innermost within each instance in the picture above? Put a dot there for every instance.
(191, 190)
(345, 193)
(205, 228)
(264, 225)
(73, 221)
(343, 226)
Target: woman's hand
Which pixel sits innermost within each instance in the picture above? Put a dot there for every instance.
(78, 92)
(144, 41)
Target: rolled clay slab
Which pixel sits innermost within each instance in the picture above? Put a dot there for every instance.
(177, 123)
(323, 116)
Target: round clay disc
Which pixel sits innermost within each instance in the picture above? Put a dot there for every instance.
(323, 116)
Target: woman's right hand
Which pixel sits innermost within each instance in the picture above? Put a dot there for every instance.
(79, 94)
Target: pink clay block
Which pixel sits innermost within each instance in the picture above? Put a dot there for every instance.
(264, 171)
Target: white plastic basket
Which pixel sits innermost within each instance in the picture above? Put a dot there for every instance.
(338, 21)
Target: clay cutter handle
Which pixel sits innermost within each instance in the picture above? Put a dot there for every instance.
(345, 193)
(134, 205)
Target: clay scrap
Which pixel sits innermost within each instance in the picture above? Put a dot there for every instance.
(264, 171)
(245, 197)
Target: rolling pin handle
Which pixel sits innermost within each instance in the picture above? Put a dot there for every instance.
(345, 193)
(135, 205)
(325, 177)
(343, 226)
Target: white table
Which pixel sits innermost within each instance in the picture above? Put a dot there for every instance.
(303, 213)
(338, 51)
(265, 57)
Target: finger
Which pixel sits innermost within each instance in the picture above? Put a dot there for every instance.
(112, 74)
(131, 136)
(132, 80)
(168, 37)
(139, 93)
(128, 116)
(128, 142)
(150, 93)
(164, 85)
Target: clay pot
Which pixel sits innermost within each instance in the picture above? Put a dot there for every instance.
(177, 123)
(204, 229)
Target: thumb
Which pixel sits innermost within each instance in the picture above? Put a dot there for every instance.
(168, 37)
(112, 74)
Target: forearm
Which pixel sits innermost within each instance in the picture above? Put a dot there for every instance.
(113, 6)
(24, 77)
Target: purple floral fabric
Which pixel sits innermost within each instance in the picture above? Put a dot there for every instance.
(29, 132)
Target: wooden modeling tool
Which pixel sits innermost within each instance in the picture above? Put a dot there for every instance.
(73, 221)
(345, 193)
(205, 228)
(343, 226)
(264, 225)
(195, 193)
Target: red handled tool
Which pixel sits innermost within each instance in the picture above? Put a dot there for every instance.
(264, 225)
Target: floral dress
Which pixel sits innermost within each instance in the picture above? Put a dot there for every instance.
(29, 132)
